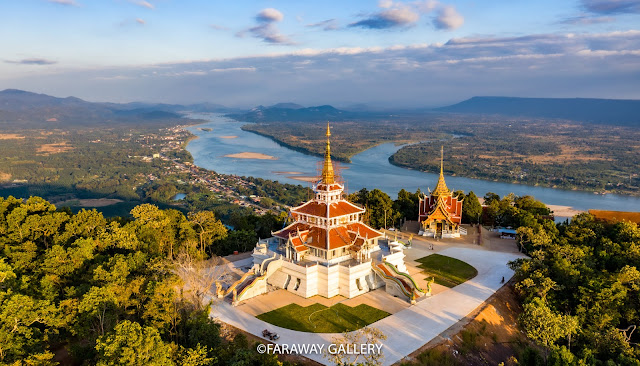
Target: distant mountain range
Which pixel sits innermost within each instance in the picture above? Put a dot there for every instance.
(25, 109)
(283, 112)
(600, 111)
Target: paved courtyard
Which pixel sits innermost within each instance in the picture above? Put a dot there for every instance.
(410, 328)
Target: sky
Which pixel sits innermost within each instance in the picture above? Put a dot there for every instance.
(384, 54)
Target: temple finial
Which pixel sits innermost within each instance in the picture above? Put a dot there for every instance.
(441, 188)
(327, 169)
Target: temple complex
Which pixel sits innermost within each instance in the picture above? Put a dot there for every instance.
(327, 250)
(439, 212)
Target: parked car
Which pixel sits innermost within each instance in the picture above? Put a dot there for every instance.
(273, 336)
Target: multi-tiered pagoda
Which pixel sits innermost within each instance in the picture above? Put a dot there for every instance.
(328, 229)
(326, 251)
(440, 213)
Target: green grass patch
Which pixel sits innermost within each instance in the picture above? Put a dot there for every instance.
(447, 271)
(318, 318)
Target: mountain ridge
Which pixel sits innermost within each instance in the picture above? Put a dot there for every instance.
(624, 112)
(20, 108)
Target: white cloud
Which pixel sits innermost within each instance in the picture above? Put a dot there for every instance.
(396, 14)
(385, 4)
(327, 25)
(140, 21)
(267, 29)
(64, 2)
(144, 4)
(448, 18)
(269, 15)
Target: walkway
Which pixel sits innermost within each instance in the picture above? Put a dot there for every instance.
(409, 329)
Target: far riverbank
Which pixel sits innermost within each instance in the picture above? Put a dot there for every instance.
(369, 169)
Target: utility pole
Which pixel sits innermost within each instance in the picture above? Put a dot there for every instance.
(385, 219)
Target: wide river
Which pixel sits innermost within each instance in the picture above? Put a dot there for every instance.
(369, 169)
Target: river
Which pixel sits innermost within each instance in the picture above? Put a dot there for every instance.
(369, 169)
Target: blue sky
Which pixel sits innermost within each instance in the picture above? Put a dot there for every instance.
(385, 53)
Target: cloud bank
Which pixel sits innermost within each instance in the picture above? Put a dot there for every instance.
(603, 65)
(32, 61)
(612, 6)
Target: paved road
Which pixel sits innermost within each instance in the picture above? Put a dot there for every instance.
(411, 328)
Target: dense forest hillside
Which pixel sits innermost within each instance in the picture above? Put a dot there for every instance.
(83, 290)
(601, 111)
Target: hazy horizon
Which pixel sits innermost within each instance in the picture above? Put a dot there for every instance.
(386, 54)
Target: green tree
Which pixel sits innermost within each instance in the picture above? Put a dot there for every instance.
(471, 208)
(407, 204)
(544, 326)
(131, 344)
(25, 325)
(208, 228)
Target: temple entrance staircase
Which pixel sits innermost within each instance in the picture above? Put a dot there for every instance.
(398, 283)
(252, 283)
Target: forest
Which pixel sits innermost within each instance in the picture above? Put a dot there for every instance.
(580, 291)
(80, 289)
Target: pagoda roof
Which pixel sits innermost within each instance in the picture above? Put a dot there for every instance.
(304, 235)
(440, 212)
(336, 209)
(364, 230)
(357, 245)
(317, 238)
(330, 187)
(298, 245)
(292, 229)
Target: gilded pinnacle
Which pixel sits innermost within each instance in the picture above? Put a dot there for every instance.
(327, 169)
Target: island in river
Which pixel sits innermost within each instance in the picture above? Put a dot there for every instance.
(250, 155)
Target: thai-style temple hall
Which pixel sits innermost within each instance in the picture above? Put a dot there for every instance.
(440, 212)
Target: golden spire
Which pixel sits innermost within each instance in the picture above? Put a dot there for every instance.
(441, 188)
(327, 169)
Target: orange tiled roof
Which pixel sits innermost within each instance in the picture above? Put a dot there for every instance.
(332, 187)
(365, 231)
(336, 209)
(291, 229)
(317, 238)
(298, 245)
(357, 245)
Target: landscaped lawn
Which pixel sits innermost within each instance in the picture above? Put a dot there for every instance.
(447, 271)
(318, 318)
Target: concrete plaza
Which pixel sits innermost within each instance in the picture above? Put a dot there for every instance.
(410, 328)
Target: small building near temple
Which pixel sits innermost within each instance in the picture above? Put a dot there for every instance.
(439, 212)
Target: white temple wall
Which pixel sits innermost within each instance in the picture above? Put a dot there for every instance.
(350, 276)
(397, 259)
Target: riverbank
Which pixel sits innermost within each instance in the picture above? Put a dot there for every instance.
(635, 193)
(370, 169)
